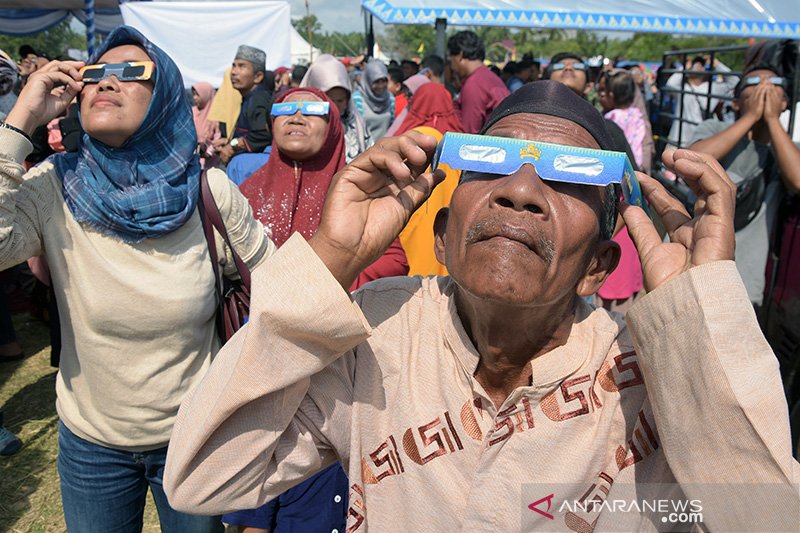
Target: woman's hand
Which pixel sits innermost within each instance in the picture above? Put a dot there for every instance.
(692, 241)
(370, 201)
(46, 95)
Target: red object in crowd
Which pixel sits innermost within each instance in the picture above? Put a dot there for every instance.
(432, 106)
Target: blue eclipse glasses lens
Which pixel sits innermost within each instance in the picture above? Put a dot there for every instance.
(480, 155)
(315, 109)
(756, 80)
(562, 66)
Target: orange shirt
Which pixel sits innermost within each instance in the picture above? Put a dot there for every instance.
(417, 237)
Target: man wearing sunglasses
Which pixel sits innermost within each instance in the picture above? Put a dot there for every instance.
(484, 400)
(762, 160)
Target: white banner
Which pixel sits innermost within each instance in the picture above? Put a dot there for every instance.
(202, 37)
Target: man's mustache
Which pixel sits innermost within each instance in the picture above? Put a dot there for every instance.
(534, 238)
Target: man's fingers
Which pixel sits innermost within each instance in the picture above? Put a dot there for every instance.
(415, 193)
(672, 212)
(716, 187)
(399, 159)
(640, 228)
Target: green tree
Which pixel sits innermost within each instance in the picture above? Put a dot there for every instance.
(406, 40)
(54, 42)
(301, 25)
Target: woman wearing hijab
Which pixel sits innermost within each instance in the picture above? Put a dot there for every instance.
(328, 74)
(288, 193)
(373, 100)
(207, 129)
(411, 84)
(130, 268)
(430, 112)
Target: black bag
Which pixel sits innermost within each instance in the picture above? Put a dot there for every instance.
(233, 297)
(750, 194)
(749, 197)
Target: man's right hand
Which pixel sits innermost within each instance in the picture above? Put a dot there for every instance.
(47, 95)
(370, 201)
(219, 143)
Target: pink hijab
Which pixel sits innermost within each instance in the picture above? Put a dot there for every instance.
(207, 130)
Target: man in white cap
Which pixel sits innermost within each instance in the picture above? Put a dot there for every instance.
(252, 133)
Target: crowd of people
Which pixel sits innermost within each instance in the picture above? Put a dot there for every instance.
(402, 312)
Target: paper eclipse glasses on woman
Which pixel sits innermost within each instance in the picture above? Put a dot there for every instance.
(130, 71)
(313, 108)
(479, 155)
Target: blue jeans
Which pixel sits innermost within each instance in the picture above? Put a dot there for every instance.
(103, 489)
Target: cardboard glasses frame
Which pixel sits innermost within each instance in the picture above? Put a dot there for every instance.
(484, 154)
(312, 108)
(130, 71)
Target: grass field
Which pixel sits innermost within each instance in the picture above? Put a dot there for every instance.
(29, 490)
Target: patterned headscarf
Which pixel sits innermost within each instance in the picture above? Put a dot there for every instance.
(149, 186)
(8, 73)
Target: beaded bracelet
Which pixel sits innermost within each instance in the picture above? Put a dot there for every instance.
(16, 129)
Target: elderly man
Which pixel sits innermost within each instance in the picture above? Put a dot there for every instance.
(252, 133)
(490, 399)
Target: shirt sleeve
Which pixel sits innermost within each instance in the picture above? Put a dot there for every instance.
(275, 406)
(259, 133)
(717, 398)
(246, 233)
(25, 201)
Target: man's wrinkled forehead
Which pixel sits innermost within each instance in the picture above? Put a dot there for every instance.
(543, 128)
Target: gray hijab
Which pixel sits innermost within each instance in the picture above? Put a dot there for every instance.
(374, 71)
(327, 72)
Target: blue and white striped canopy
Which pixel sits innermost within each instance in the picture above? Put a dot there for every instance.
(748, 18)
(24, 17)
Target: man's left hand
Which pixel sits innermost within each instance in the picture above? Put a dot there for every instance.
(226, 153)
(692, 241)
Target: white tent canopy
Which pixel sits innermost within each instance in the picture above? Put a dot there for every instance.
(203, 56)
(749, 18)
(300, 50)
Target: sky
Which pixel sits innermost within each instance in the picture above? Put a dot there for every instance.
(335, 15)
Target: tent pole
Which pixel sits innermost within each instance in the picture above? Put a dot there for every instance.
(441, 26)
(370, 34)
(89, 8)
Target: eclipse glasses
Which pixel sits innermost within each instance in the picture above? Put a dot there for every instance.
(314, 108)
(756, 80)
(480, 155)
(562, 66)
(130, 71)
